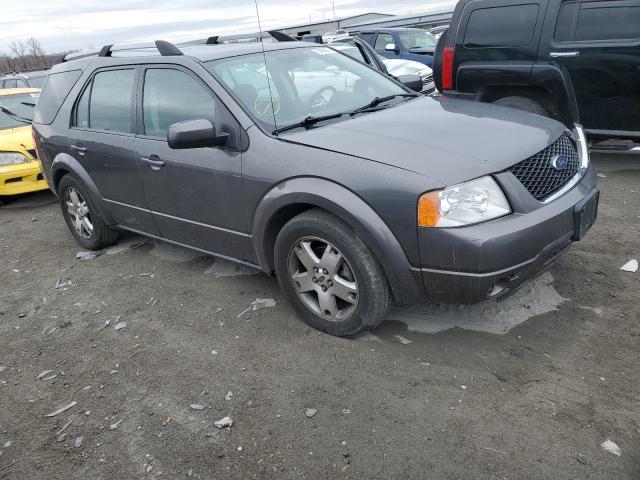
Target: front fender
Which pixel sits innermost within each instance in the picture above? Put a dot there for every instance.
(65, 164)
(351, 209)
(556, 80)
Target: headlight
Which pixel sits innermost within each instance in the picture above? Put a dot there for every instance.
(12, 158)
(465, 204)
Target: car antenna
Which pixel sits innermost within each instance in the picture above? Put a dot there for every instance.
(264, 56)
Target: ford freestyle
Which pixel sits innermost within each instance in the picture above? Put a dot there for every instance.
(301, 161)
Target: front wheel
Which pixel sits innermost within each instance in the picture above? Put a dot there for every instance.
(82, 217)
(329, 275)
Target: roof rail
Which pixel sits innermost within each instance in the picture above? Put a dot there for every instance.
(220, 39)
(164, 48)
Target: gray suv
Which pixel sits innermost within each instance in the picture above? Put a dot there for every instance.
(303, 162)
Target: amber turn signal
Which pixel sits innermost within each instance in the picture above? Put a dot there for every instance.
(429, 209)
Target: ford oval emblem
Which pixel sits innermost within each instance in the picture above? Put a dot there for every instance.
(560, 162)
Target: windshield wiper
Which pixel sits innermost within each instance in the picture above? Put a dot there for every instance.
(307, 122)
(379, 100)
(13, 115)
(311, 120)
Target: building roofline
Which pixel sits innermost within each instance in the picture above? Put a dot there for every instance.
(328, 20)
(405, 18)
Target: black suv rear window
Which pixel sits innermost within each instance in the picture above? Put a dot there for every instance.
(511, 26)
(53, 95)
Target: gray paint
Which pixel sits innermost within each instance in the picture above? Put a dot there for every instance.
(369, 171)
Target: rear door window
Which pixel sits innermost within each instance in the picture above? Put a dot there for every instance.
(608, 21)
(54, 93)
(110, 105)
(171, 96)
(598, 21)
(82, 109)
(10, 84)
(510, 26)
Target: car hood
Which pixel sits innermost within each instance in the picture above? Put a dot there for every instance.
(448, 140)
(16, 139)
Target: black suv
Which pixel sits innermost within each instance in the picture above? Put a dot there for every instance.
(571, 60)
(297, 159)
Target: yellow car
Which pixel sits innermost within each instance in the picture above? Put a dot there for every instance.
(20, 170)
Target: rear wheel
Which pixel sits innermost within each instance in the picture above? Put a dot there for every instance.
(523, 103)
(329, 275)
(82, 217)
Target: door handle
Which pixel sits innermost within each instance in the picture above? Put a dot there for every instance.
(564, 54)
(79, 148)
(153, 161)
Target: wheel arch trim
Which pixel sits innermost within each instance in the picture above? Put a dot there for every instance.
(66, 163)
(350, 208)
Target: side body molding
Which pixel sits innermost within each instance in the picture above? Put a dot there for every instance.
(66, 163)
(351, 209)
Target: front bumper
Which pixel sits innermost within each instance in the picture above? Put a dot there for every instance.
(490, 260)
(21, 178)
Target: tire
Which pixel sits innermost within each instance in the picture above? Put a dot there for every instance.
(95, 238)
(523, 103)
(347, 271)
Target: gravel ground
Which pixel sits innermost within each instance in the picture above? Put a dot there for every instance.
(527, 389)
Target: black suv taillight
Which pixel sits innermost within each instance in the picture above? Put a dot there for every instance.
(447, 68)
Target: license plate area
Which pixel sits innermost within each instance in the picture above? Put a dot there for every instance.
(585, 215)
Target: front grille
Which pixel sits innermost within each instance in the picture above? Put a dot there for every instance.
(538, 173)
(428, 87)
(426, 77)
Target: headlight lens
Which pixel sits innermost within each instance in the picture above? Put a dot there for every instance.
(12, 158)
(465, 204)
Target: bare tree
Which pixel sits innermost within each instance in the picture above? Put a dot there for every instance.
(26, 55)
(18, 50)
(37, 52)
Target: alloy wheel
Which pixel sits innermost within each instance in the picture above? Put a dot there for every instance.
(79, 213)
(323, 279)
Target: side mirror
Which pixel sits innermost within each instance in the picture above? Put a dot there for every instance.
(411, 81)
(195, 134)
(391, 47)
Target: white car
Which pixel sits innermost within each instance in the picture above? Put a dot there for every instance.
(334, 35)
(397, 67)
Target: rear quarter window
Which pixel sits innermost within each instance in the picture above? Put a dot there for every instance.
(54, 93)
(510, 26)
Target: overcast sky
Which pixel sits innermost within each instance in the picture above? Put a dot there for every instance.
(75, 24)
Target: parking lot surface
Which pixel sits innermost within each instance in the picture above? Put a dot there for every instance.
(147, 340)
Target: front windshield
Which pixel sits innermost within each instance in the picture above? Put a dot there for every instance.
(21, 105)
(417, 39)
(303, 82)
